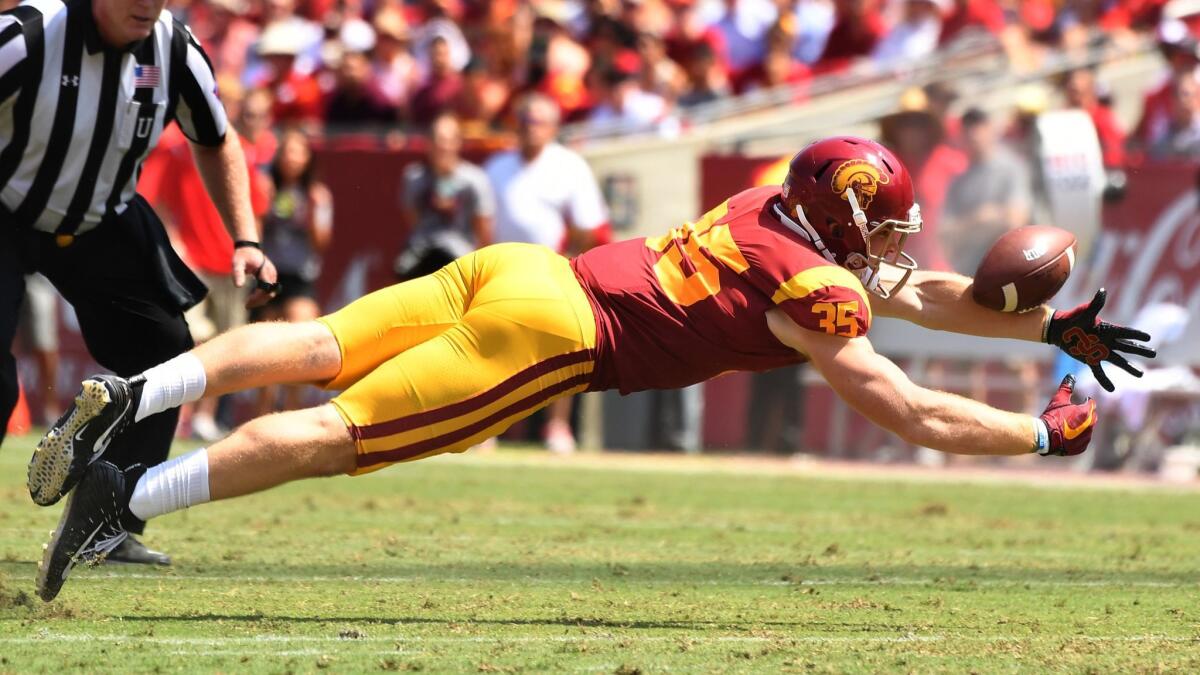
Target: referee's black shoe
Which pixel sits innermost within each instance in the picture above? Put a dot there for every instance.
(133, 552)
(92, 525)
(104, 406)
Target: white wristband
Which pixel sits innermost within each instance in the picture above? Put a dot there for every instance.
(1041, 437)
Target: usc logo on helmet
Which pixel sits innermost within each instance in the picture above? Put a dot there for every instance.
(861, 175)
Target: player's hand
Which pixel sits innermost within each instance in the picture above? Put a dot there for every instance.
(1067, 426)
(1080, 333)
(251, 261)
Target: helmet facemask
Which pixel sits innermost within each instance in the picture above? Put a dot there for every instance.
(888, 238)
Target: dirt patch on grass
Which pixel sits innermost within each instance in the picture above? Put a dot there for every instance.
(16, 600)
(13, 598)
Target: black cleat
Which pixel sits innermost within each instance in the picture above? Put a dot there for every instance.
(92, 524)
(104, 406)
(133, 552)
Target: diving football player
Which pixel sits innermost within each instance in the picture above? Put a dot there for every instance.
(772, 276)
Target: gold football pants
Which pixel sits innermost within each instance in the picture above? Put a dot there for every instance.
(440, 363)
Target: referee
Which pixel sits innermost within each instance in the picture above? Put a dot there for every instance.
(86, 87)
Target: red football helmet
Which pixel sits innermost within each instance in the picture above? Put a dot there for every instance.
(854, 201)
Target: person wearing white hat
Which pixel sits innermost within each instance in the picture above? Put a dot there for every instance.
(297, 94)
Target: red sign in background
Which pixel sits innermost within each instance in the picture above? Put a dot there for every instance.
(1149, 249)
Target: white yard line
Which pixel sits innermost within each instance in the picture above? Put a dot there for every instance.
(286, 639)
(52, 638)
(107, 577)
(211, 653)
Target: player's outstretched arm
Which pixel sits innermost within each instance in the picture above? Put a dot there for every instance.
(874, 386)
(943, 301)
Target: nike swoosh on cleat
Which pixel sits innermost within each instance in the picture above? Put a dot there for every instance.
(71, 560)
(79, 434)
(103, 440)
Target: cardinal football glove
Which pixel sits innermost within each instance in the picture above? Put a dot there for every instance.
(1080, 333)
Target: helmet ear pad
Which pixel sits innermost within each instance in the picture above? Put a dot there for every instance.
(845, 240)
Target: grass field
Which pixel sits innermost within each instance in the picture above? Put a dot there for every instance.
(515, 562)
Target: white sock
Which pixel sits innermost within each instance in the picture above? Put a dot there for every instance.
(171, 486)
(171, 384)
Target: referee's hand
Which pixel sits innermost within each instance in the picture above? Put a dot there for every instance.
(253, 262)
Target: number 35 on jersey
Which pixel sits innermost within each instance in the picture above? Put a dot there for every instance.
(821, 297)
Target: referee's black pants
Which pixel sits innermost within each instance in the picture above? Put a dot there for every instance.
(129, 291)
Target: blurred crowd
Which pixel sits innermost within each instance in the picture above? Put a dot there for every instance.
(399, 63)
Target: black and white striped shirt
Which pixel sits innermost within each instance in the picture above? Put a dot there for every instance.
(77, 117)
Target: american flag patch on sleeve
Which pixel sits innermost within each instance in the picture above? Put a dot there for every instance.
(146, 76)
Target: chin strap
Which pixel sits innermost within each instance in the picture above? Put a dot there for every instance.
(807, 231)
(870, 279)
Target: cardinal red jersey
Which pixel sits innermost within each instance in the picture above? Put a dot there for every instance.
(681, 308)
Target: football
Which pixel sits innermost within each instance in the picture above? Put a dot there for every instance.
(1024, 268)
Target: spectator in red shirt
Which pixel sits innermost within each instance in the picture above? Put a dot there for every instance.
(1037, 18)
(1137, 14)
(1082, 92)
(317, 10)
(857, 28)
(556, 65)
(916, 135)
(254, 123)
(441, 88)
(606, 35)
(1182, 54)
(297, 97)
(482, 98)
(688, 33)
(971, 17)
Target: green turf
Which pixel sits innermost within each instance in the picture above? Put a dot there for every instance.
(511, 563)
